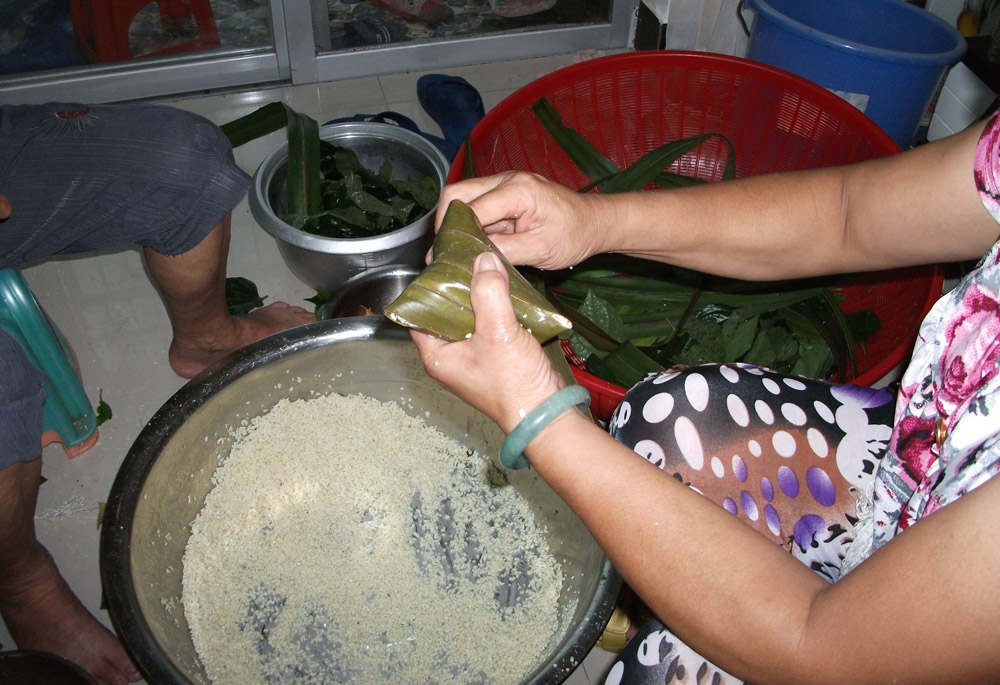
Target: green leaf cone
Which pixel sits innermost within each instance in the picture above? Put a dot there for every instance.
(437, 301)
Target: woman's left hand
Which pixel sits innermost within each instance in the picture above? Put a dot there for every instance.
(500, 369)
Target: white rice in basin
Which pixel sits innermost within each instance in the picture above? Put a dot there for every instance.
(348, 542)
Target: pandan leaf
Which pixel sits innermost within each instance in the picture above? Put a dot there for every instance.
(469, 164)
(647, 168)
(268, 119)
(303, 185)
(591, 161)
(437, 301)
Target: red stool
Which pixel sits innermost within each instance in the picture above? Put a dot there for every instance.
(101, 27)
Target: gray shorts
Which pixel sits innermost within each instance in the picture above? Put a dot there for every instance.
(91, 177)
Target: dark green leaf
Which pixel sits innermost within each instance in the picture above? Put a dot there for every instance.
(738, 332)
(242, 296)
(318, 300)
(268, 119)
(303, 184)
(595, 165)
(601, 313)
(642, 172)
(103, 408)
(863, 325)
(630, 365)
(468, 163)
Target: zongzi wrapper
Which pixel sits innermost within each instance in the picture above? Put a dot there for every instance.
(437, 301)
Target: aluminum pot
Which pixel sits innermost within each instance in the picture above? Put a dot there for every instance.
(369, 292)
(325, 263)
(167, 474)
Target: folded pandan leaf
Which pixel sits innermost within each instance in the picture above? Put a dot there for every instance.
(437, 301)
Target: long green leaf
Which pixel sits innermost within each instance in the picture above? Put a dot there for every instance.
(267, 119)
(627, 364)
(641, 173)
(303, 189)
(469, 164)
(649, 168)
(595, 165)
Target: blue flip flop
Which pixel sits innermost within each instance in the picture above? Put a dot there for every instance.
(453, 103)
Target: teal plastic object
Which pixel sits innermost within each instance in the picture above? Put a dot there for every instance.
(67, 410)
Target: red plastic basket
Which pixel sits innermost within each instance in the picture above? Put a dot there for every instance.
(630, 103)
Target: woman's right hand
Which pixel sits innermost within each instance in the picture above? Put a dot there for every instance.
(500, 369)
(534, 221)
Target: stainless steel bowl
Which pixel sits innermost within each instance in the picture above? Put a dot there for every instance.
(164, 479)
(325, 263)
(369, 292)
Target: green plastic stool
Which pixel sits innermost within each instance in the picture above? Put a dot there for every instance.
(69, 417)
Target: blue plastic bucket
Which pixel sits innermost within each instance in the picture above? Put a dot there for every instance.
(886, 57)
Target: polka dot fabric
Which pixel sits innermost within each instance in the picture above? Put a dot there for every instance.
(785, 454)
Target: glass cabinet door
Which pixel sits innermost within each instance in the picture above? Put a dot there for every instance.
(125, 49)
(368, 37)
(114, 50)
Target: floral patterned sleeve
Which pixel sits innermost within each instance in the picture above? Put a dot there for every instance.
(947, 436)
(987, 166)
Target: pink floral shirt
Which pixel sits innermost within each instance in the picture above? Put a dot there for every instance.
(946, 439)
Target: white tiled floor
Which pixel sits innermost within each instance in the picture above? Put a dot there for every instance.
(108, 309)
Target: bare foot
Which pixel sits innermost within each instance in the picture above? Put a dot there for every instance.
(46, 616)
(188, 358)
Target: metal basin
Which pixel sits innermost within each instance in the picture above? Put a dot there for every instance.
(325, 263)
(164, 479)
(370, 292)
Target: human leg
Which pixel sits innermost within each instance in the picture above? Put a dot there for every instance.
(792, 457)
(193, 287)
(82, 178)
(37, 606)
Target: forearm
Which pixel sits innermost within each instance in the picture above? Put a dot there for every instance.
(918, 207)
(757, 228)
(736, 597)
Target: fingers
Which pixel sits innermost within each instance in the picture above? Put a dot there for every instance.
(498, 201)
(490, 296)
(466, 191)
(427, 345)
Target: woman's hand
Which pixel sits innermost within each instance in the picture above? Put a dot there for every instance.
(501, 369)
(534, 221)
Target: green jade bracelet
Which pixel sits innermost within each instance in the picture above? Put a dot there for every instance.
(512, 450)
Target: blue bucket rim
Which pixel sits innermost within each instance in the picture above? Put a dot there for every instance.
(947, 57)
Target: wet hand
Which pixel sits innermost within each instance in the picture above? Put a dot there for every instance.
(500, 369)
(532, 220)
